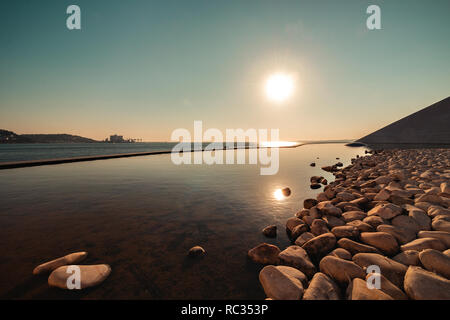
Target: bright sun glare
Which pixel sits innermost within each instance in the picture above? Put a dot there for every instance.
(279, 87)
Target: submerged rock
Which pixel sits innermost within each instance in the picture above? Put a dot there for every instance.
(270, 231)
(59, 262)
(90, 275)
(196, 251)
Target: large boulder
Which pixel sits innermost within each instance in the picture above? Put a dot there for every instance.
(319, 246)
(264, 253)
(408, 258)
(386, 286)
(424, 285)
(353, 215)
(322, 287)
(341, 253)
(345, 232)
(386, 210)
(279, 285)
(319, 227)
(303, 238)
(436, 262)
(297, 257)
(401, 234)
(355, 247)
(358, 290)
(327, 208)
(422, 244)
(383, 241)
(340, 270)
(443, 236)
(392, 270)
(421, 218)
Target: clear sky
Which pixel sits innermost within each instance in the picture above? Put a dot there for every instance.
(145, 68)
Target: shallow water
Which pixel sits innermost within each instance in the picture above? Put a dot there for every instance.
(142, 214)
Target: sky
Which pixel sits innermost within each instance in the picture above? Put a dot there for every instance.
(145, 68)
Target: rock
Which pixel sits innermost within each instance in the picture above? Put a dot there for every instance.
(442, 236)
(340, 270)
(445, 187)
(196, 251)
(280, 286)
(387, 287)
(424, 285)
(430, 198)
(327, 208)
(400, 234)
(333, 221)
(270, 231)
(298, 231)
(421, 218)
(295, 273)
(362, 226)
(319, 227)
(422, 244)
(383, 241)
(49, 266)
(286, 192)
(386, 210)
(436, 262)
(303, 238)
(90, 276)
(374, 221)
(355, 247)
(264, 253)
(319, 246)
(295, 256)
(345, 196)
(291, 223)
(309, 203)
(322, 288)
(440, 225)
(322, 197)
(383, 180)
(447, 252)
(422, 205)
(341, 253)
(324, 181)
(315, 186)
(392, 270)
(406, 222)
(358, 290)
(434, 211)
(345, 232)
(383, 195)
(353, 215)
(300, 214)
(408, 258)
(312, 164)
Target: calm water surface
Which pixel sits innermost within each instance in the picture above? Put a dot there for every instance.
(142, 214)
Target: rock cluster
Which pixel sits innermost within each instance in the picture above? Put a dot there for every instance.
(388, 209)
(89, 275)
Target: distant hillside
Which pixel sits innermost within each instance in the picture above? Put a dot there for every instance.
(428, 126)
(11, 137)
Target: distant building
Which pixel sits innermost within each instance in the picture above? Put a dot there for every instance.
(116, 139)
(119, 139)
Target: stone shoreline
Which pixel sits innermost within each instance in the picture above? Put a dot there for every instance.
(383, 222)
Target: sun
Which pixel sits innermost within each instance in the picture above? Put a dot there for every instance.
(279, 87)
